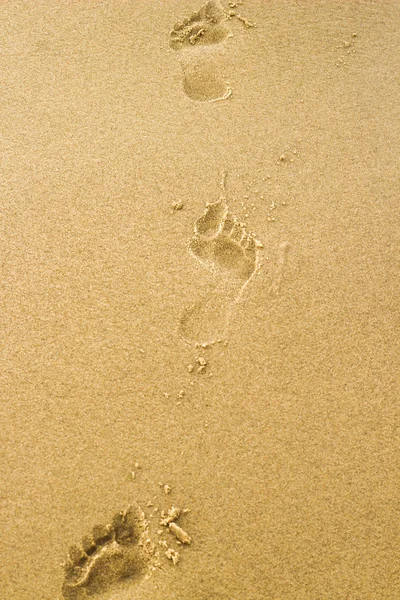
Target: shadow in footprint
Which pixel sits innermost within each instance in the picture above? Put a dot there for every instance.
(222, 245)
(111, 555)
(198, 40)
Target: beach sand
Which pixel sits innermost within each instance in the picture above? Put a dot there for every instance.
(281, 435)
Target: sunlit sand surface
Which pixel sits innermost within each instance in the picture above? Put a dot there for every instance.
(198, 300)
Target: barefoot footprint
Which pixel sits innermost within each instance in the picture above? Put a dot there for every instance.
(110, 555)
(198, 40)
(221, 245)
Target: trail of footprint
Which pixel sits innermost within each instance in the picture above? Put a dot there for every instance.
(198, 40)
(109, 556)
(222, 246)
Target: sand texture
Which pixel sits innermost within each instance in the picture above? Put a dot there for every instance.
(199, 300)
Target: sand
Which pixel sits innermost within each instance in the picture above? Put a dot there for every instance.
(281, 434)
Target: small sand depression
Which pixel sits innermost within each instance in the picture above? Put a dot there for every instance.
(112, 554)
(198, 40)
(221, 245)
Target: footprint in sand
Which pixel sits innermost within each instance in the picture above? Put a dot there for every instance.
(221, 245)
(109, 556)
(198, 40)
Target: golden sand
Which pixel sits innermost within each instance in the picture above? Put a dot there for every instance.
(199, 300)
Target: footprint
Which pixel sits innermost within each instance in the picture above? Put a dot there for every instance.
(222, 245)
(110, 555)
(198, 40)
